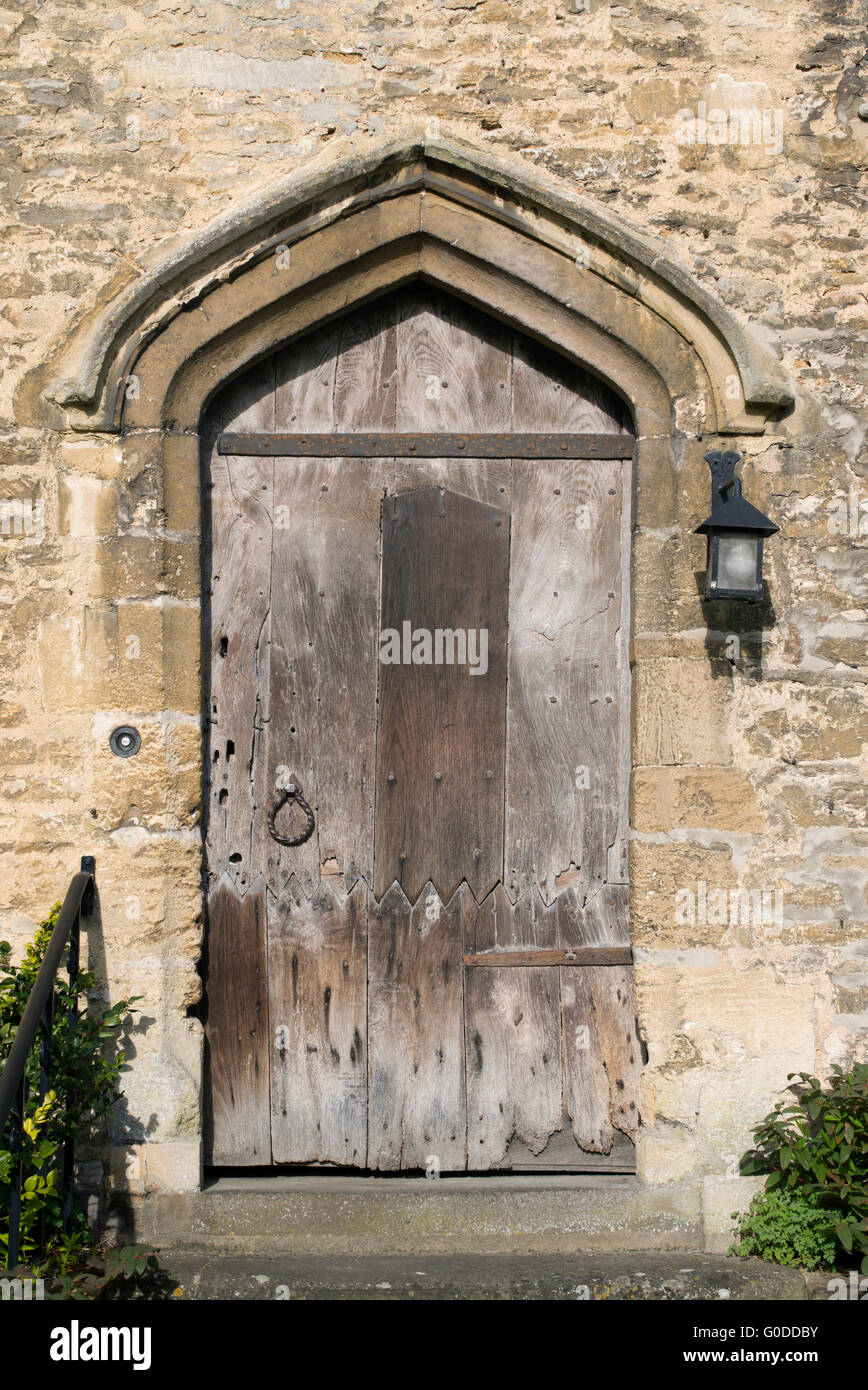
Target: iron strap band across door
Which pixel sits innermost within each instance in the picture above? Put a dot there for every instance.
(579, 955)
(529, 446)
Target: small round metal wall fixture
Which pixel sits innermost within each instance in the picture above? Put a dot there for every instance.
(125, 741)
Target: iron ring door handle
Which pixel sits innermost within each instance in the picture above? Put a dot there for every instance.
(291, 792)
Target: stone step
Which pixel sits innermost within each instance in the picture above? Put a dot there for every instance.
(639, 1276)
(364, 1216)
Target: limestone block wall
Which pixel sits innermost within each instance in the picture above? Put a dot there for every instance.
(732, 134)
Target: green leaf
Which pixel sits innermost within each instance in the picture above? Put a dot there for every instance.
(845, 1235)
(85, 1071)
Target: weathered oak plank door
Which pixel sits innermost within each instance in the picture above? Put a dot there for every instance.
(434, 647)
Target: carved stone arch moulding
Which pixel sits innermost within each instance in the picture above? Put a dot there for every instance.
(333, 237)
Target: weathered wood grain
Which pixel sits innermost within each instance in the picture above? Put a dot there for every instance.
(599, 923)
(440, 750)
(304, 382)
(366, 377)
(236, 1028)
(416, 1034)
(324, 663)
(599, 1030)
(513, 1031)
(557, 395)
(324, 622)
(317, 992)
(454, 374)
(563, 1155)
(304, 398)
(454, 365)
(586, 1082)
(602, 1057)
(485, 480)
(294, 616)
(346, 515)
(239, 507)
(618, 866)
(621, 1046)
(564, 720)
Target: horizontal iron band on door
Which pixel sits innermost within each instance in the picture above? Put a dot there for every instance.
(529, 446)
(579, 955)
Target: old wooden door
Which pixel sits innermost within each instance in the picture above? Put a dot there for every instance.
(435, 648)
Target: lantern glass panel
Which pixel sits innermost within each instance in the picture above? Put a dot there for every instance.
(737, 556)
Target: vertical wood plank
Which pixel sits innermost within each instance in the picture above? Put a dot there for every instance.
(603, 919)
(587, 684)
(346, 512)
(326, 559)
(417, 1087)
(618, 865)
(324, 624)
(324, 663)
(366, 377)
(237, 607)
(304, 382)
(304, 400)
(236, 1028)
(586, 1081)
(454, 372)
(318, 1016)
(513, 1031)
(602, 1060)
(564, 720)
(238, 563)
(620, 1045)
(440, 750)
(549, 393)
(602, 1055)
(454, 366)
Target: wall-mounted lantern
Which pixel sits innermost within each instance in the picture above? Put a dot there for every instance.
(734, 534)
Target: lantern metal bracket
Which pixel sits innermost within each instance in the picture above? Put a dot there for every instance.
(722, 465)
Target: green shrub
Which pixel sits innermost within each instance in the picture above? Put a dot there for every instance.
(816, 1148)
(787, 1228)
(124, 1273)
(86, 1063)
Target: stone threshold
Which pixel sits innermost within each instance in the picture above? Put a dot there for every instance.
(278, 1182)
(633, 1276)
(365, 1216)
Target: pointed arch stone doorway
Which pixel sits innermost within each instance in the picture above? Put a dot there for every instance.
(145, 360)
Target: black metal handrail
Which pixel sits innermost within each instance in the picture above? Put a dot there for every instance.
(37, 1021)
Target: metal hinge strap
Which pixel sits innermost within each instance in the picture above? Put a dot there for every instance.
(536, 446)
